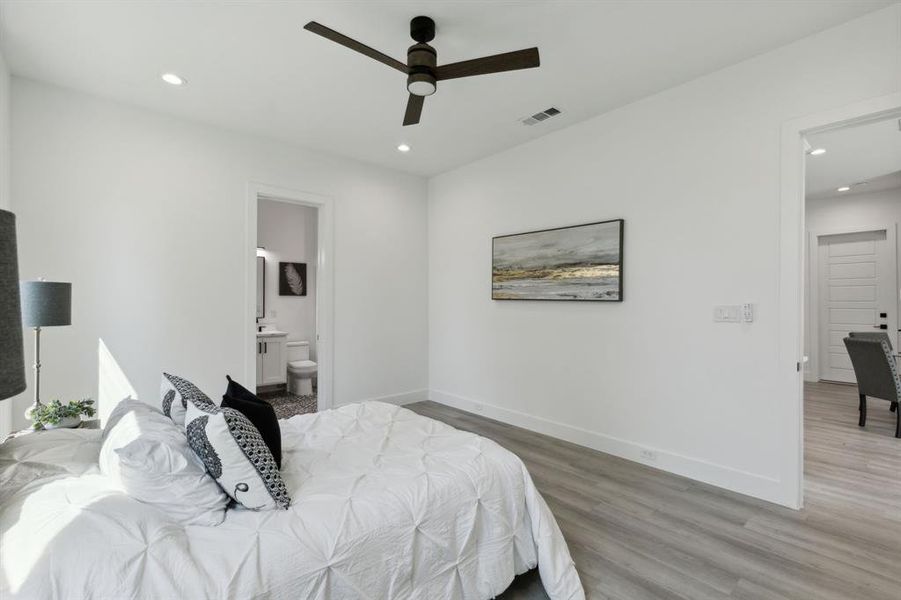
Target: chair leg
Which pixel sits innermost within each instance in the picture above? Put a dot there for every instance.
(863, 411)
(898, 422)
(894, 407)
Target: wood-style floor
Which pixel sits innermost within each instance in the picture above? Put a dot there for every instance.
(639, 533)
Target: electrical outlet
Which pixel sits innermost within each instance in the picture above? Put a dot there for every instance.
(747, 313)
(648, 455)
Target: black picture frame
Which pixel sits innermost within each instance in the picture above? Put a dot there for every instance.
(292, 279)
(619, 295)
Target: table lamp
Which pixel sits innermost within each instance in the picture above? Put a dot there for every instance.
(44, 304)
(12, 361)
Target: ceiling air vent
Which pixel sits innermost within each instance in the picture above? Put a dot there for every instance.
(542, 116)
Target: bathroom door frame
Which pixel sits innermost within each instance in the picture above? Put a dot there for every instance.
(325, 281)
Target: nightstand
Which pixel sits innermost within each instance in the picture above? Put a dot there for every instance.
(86, 424)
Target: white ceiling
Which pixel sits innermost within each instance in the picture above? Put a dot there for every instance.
(865, 157)
(251, 67)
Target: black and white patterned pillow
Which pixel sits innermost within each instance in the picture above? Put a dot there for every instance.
(175, 393)
(234, 453)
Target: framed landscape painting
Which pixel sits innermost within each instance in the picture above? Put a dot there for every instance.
(580, 262)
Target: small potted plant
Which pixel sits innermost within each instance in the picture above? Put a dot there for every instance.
(56, 415)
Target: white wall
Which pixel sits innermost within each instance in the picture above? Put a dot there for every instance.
(4, 134)
(854, 210)
(837, 214)
(6, 423)
(145, 215)
(288, 232)
(695, 172)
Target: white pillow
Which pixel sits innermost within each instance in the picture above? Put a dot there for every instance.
(234, 454)
(147, 455)
(119, 411)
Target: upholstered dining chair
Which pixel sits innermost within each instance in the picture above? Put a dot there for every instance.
(878, 335)
(873, 335)
(877, 374)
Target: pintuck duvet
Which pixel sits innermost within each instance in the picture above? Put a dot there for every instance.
(386, 504)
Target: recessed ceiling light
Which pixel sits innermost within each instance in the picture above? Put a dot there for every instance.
(403, 148)
(817, 151)
(172, 79)
(844, 188)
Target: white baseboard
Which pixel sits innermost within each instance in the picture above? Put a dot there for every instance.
(736, 480)
(402, 398)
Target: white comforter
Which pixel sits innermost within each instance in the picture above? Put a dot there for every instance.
(386, 504)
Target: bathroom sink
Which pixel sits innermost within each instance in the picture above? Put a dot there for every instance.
(271, 333)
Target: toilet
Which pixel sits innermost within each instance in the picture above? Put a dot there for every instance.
(301, 369)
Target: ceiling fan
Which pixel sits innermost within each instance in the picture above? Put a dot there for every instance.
(422, 71)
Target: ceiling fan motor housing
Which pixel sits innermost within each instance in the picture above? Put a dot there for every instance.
(422, 29)
(422, 59)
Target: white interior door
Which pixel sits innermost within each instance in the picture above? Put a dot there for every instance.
(857, 292)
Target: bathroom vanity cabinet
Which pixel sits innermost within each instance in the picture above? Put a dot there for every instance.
(272, 357)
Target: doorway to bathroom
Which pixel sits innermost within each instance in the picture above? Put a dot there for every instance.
(289, 283)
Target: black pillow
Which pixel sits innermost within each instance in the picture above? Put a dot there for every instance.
(260, 413)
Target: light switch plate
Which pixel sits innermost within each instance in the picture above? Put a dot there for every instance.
(727, 313)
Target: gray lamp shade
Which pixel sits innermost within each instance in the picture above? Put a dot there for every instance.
(46, 303)
(12, 362)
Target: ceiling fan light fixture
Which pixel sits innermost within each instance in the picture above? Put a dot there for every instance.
(421, 84)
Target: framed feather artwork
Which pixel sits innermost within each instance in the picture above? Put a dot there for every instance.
(292, 279)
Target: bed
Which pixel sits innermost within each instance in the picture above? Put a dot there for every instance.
(386, 504)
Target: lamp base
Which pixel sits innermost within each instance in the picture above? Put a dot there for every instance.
(34, 406)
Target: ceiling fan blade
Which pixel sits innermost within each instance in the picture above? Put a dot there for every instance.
(414, 109)
(508, 61)
(353, 44)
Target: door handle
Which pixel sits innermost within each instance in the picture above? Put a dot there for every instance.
(265, 347)
(883, 326)
(259, 348)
